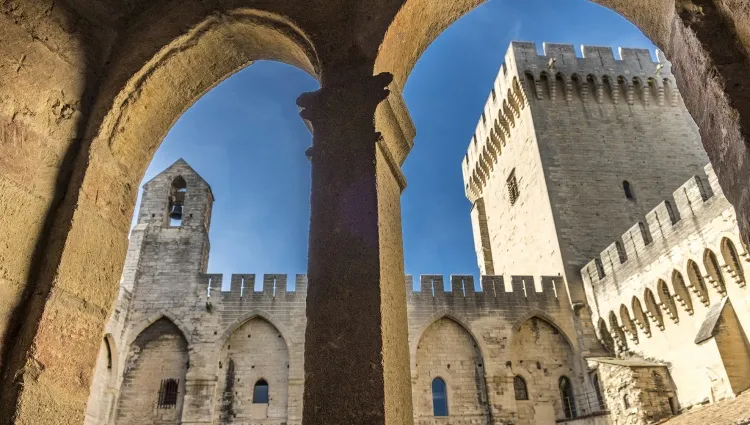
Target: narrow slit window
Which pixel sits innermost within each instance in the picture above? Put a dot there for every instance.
(168, 393)
(109, 353)
(628, 190)
(439, 398)
(512, 183)
(260, 392)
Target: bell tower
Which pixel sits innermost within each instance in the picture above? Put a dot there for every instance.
(170, 238)
(178, 197)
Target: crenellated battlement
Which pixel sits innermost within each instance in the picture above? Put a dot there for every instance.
(561, 77)
(242, 286)
(494, 290)
(660, 225)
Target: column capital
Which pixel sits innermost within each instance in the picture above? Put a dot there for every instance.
(359, 96)
(362, 109)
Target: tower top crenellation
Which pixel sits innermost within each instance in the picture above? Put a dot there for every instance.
(629, 79)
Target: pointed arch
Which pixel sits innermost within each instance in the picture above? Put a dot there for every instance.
(715, 276)
(697, 283)
(158, 361)
(627, 323)
(605, 337)
(732, 260)
(541, 354)
(640, 316)
(652, 308)
(460, 364)
(681, 293)
(666, 300)
(619, 334)
(543, 316)
(138, 329)
(254, 364)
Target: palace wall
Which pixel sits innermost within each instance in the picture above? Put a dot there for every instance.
(672, 289)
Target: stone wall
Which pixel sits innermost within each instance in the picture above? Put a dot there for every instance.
(475, 337)
(636, 392)
(665, 298)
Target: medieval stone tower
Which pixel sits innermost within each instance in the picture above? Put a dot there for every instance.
(570, 152)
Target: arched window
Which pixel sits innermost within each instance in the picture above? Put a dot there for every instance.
(260, 392)
(626, 401)
(177, 201)
(519, 386)
(168, 393)
(568, 400)
(627, 189)
(439, 398)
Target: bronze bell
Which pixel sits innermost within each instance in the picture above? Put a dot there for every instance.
(176, 212)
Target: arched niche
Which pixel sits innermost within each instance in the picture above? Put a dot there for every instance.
(447, 350)
(253, 359)
(620, 339)
(640, 316)
(605, 336)
(157, 358)
(652, 308)
(628, 323)
(541, 353)
(715, 275)
(732, 260)
(666, 300)
(681, 292)
(697, 283)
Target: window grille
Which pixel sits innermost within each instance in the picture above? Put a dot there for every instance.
(168, 393)
(520, 388)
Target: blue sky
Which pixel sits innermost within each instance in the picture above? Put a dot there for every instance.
(246, 139)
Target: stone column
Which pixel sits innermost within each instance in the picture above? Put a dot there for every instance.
(356, 347)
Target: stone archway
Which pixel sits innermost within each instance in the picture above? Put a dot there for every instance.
(160, 73)
(76, 86)
(153, 384)
(543, 354)
(255, 351)
(448, 351)
(710, 78)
